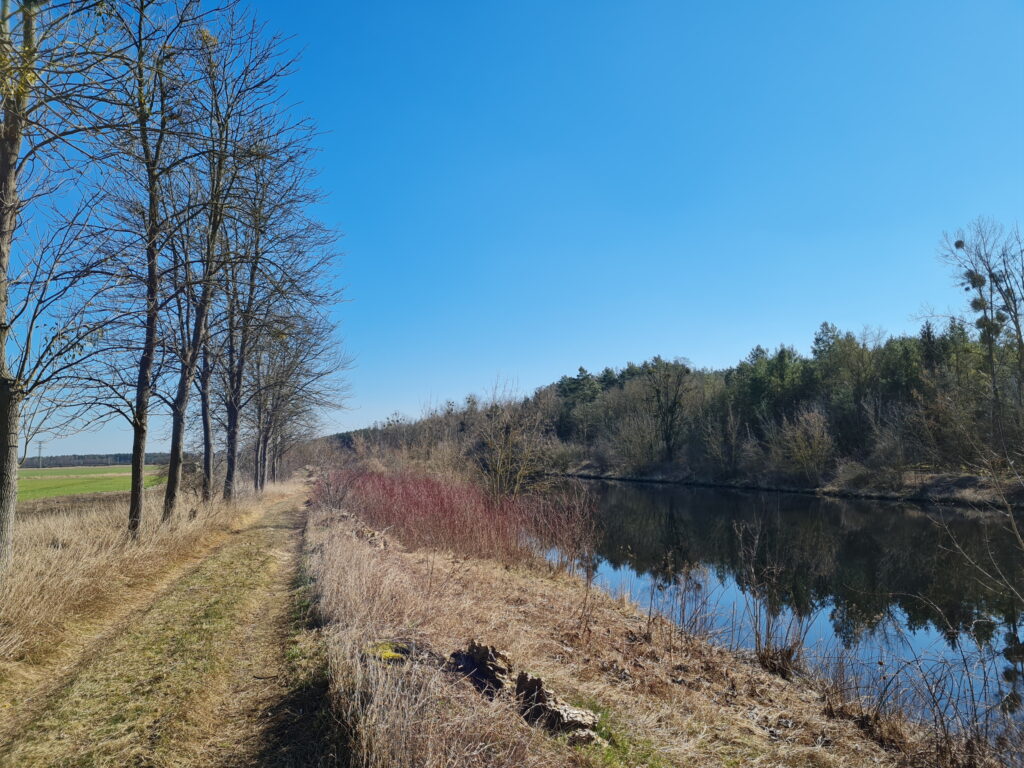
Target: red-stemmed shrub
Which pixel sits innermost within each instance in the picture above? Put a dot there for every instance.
(445, 514)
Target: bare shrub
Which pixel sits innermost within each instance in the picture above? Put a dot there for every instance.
(723, 441)
(852, 474)
(457, 516)
(330, 488)
(889, 451)
(778, 636)
(509, 446)
(753, 460)
(567, 521)
(802, 447)
(935, 711)
(636, 440)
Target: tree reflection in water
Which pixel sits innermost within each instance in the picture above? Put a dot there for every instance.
(878, 579)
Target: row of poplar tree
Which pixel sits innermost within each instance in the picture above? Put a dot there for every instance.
(159, 251)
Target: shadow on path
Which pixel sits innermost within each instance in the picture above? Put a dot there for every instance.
(300, 731)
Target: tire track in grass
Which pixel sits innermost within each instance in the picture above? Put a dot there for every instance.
(199, 678)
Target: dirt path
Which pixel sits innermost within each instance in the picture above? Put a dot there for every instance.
(216, 671)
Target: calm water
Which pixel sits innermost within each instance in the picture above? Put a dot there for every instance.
(884, 582)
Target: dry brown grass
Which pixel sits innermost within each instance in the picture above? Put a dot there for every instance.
(75, 570)
(68, 563)
(202, 677)
(665, 698)
(408, 715)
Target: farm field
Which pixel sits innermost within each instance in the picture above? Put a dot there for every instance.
(51, 482)
(107, 469)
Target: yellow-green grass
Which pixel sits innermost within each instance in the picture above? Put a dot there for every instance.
(110, 469)
(33, 484)
(135, 703)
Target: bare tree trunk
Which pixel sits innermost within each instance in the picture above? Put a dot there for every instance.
(144, 382)
(136, 497)
(8, 397)
(140, 428)
(257, 463)
(207, 418)
(231, 449)
(11, 134)
(180, 408)
(264, 456)
(257, 449)
(10, 404)
(175, 459)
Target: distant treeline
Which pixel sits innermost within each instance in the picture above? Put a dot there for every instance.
(860, 410)
(90, 460)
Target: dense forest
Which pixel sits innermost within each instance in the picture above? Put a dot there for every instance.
(861, 410)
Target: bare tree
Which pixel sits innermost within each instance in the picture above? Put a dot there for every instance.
(53, 100)
(666, 386)
(281, 260)
(991, 264)
(149, 151)
(237, 86)
(294, 376)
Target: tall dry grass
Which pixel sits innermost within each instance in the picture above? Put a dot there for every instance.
(417, 714)
(75, 562)
(411, 714)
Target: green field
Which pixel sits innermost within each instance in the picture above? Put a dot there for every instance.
(72, 481)
(112, 469)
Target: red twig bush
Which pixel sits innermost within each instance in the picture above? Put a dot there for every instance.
(441, 513)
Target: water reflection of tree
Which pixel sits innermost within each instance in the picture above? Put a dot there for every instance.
(866, 561)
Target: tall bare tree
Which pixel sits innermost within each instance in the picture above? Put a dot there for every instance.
(239, 73)
(666, 385)
(991, 264)
(294, 377)
(150, 150)
(282, 258)
(53, 100)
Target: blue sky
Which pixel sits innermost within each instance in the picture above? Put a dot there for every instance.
(528, 187)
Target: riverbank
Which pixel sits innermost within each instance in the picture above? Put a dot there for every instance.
(965, 492)
(663, 696)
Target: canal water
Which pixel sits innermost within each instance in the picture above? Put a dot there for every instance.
(889, 589)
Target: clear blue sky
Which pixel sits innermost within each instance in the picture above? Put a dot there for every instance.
(532, 186)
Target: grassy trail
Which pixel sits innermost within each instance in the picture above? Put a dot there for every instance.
(215, 671)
